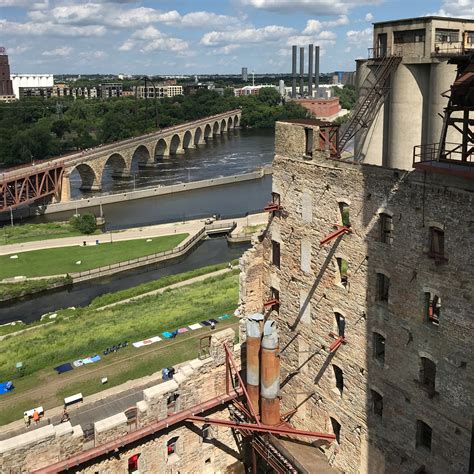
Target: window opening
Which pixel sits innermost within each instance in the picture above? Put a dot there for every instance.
(171, 402)
(446, 36)
(336, 429)
(338, 374)
(436, 243)
(423, 435)
(345, 217)
(341, 324)
(377, 403)
(276, 253)
(379, 347)
(433, 308)
(133, 463)
(386, 228)
(276, 198)
(309, 140)
(383, 285)
(342, 266)
(171, 445)
(428, 375)
(206, 431)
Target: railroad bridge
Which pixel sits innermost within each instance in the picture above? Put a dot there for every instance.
(24, 185)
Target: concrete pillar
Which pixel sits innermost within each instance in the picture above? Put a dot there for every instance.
(65, 188)
(202, 140)
(441, 78)
(406, 113)
(270, 383)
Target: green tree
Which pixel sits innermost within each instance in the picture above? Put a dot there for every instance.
(84, 223)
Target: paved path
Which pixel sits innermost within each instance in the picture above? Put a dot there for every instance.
(190, 227)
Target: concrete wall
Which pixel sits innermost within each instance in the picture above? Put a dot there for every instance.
(196, 382)
(370, 443)
(30, 80)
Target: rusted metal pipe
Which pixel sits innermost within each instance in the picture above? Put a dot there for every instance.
(254, 337)
(270, 385)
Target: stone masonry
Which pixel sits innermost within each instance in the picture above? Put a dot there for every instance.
(391, 412)
(194, 383)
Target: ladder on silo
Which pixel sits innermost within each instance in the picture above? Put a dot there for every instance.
(369, 104)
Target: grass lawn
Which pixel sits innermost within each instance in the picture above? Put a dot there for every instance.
(89, 332)
(15, 290)
(63, 260)
(30, 232)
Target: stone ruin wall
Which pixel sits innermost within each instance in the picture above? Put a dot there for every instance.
(195, 382)
(310, 294)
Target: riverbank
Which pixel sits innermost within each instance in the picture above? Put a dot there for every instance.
(84, 332)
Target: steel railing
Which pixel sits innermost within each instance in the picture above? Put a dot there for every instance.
(150, 258)
(429, 153)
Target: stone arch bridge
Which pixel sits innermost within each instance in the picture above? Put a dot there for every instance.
(146, 149)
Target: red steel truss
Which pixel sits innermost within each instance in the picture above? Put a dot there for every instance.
(33, 183)
(341, 230)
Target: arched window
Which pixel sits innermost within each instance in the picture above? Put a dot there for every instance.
(386, 228)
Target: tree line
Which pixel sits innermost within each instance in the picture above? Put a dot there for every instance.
(34, 129)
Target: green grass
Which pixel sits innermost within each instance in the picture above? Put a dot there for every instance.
(58, 261)
(30, 232)
(89, 332)
(16, 290)
(251, 229)
(110, 298)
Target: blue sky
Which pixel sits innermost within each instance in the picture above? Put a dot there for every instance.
(195, 36)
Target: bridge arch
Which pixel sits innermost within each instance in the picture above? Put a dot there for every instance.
(236, 121)
(85, 176)
(140, 156)
(215, 128)
(188, 141)
(175, 144)
(207, 131)
(161, 148)
(198, 136)
(223, 125)
(116, 164)
(230, 123)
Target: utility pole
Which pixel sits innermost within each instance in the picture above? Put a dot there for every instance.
(11, 216)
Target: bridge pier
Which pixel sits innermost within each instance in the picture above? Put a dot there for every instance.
(65, 190)
(122, 175)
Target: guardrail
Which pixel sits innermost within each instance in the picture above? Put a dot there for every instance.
(148, 259)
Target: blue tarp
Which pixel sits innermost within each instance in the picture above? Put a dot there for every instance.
(206, 323)
(6, 387)
(63, 368)
(225, 316)
(166, 334)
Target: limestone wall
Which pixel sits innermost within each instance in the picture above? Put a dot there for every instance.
(311, 293)
(194, 383)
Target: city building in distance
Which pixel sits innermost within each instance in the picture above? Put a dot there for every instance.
(6, 87)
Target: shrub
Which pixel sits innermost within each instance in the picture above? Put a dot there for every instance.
(84, 223)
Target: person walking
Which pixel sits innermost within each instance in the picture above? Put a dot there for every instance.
(26, 419)
(36, 417)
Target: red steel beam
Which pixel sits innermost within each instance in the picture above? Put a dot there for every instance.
(137, 435)
(340, 231)
(285, 430)
(336, 344)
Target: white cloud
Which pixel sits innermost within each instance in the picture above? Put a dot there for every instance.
(323, 38)
(360, 37)
(48, 28)
(246, 35)
(25, 4)
(313, 26)
(151, 39)
(18, 49)
(457, 8)
(58, 52)
(369, 17)
(315, 7)
(227, 49)
(93, 54)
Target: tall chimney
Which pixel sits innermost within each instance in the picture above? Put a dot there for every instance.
(270, 385)
(310, 70)
(293, 73)
(254, 336)
(301, 72)
(316, 69)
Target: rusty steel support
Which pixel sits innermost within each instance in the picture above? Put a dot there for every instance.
(341, 230)
(270, 384)
(254, 337)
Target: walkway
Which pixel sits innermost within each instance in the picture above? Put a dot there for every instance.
(190, 227)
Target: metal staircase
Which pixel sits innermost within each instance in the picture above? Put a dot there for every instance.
(369, 103)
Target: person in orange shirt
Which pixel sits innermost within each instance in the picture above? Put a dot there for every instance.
(36, 417)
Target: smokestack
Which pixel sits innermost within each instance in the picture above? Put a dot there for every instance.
(316, 69)
(301, 72)
(254, 336)
(310, 70)
(293, 73)
(270, 386)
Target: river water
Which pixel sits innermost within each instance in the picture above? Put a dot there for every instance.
(28, 309)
